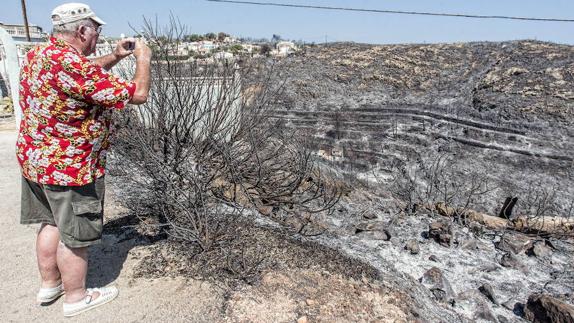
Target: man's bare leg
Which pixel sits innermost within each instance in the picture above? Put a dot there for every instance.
(46, 249)
(74, 268)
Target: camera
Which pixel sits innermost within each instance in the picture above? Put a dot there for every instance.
(131, 45)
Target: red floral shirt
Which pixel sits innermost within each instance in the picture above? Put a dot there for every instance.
(67, 103)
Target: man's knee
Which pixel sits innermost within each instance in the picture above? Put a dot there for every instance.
(77, 251)
(47, 228)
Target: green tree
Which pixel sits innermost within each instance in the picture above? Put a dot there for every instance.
(210, 36)
(265, 49)
(236, 49)
(193, 38)
(221, 36)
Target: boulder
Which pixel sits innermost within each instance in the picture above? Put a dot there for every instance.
(440, 232)
(469, 244)
(266, 210)
(434, 258)
(509, 304)
(515, 307)
(413, 247)
(544, 308)
(509, 260)
(369, 215)
(484, 313)
(375, 231)
(487, 290)
(540, 250)
(435, 281)
(514, 242)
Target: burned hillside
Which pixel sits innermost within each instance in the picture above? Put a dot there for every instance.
(503, 109)
(440, 172)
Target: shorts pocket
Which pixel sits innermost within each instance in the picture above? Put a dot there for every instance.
(88, 220)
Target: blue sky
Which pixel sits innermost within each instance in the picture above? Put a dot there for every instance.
(313, 25)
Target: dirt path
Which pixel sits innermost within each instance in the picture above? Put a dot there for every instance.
(139, 300)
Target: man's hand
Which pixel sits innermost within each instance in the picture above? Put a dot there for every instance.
(142, 51)
(142, 77)
(123, 49)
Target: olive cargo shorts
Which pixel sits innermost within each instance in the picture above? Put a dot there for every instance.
(77, 211)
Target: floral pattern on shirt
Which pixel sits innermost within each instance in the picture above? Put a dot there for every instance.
(67, 103)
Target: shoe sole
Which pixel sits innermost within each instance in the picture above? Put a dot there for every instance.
(91, 307)
(42, 301)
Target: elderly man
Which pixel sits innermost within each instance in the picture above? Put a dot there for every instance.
(67, 102)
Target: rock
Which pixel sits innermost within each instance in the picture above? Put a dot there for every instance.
(502, 319)
(470, 244)
(434, 280)
(487, 290)
(369, 215)
(543, 308)
(509, 304)
(514, 307)
(310, 302)
(413, 246)
(434, 258)
(375, 235)
(514, 242)
(515, 71)
(368, 226)
(489, 267)
(509, 260)
(265, 210)
(518, 309)
(540, 250)
(476, 228)
(483, 312)
(374, 231)
(302, 319)
(441, 233)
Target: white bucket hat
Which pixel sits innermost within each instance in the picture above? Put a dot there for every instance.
(70, 12)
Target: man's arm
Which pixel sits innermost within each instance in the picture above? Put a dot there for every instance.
(107, 61)
(142, 78)
(120, 52)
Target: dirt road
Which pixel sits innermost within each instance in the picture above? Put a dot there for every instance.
(111, 262)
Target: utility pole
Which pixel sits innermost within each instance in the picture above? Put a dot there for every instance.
(25, 20)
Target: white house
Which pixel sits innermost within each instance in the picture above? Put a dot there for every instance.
(284, 48)
(250, 48)
(223, 55)
(229, 40)
(194, 46)
(206, 46)
(18, 33)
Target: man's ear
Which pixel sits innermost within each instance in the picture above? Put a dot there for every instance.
(81, 32)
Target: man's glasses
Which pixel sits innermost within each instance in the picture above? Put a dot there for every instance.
(97, 29)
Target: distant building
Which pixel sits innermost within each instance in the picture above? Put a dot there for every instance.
(284, 48)
(223, 55)
(18, 33)
(194, 46)
(206, 46)
(229, 40)
(178, 50)
(250, 48)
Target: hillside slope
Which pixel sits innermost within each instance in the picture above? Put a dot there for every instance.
(505, 110)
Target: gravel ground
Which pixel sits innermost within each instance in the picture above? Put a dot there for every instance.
(178, 299)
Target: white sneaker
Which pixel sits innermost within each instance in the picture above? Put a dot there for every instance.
(107, 294)
(47, 295)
